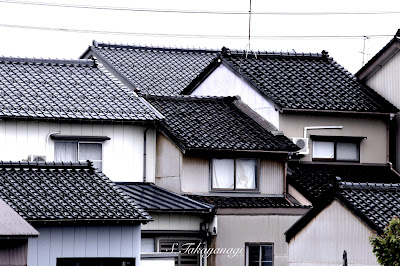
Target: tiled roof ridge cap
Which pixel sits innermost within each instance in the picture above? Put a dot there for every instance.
(190, 97)
(38, 61)
(46, 165)
(375, 186)
(158, 48)
(323, 55)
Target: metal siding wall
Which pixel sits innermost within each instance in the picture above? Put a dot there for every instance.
(173, 222)
(83, 241)
(20, 139)
(224, 82)
(258, 228)
(271, 177)
(151, 156)
(324, 239)
(386, 81)
(195, 175)
(13, 252)
(168, 164)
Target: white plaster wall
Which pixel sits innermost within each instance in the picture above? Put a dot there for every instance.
(224, 82)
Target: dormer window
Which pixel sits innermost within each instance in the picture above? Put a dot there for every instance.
(341, 149)
(234, 174)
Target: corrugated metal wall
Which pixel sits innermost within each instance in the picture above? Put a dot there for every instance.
(271, 177)
(324, 239)
(224, 82)
(13, 252)
(83, 241)
(253, 229)
(173, 222)
(122, 154)
(195, 175)
(386, 81)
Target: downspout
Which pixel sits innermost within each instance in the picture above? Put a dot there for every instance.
(47, 141)
(144, 154)
(285, 176)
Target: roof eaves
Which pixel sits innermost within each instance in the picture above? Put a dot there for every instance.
(380, 59)
(202, 76)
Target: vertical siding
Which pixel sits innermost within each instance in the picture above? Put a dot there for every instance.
(168, 164)
(224, 82)
(271, 177)
(122, 154)
(386, 81)
(151, 155)
(324, 239)
(173, 222)
(195, 175)
(83, 241)
(13, 252)
(260, 228)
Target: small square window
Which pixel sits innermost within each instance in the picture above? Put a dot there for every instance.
(259, 254)
(234, 174)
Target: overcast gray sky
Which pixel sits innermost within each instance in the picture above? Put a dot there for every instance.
(50, 29)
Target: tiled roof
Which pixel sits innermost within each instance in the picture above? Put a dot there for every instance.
(156, 199)
(222, 202)
(306, 81)
(13, 225)
(66, 90)
(378, 203)
(318, 181)
(154, 70)
(214, 123)
(370, 192)
(65, 192)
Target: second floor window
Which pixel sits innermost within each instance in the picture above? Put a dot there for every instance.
(336, 151)
(234, 174)
(79, 151)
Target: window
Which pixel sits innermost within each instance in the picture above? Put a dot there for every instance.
(259, 254)
(234, 174)
(79, 151)
(185, 257)
(336, 151)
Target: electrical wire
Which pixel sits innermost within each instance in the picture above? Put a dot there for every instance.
(194, 35)
(208, 12)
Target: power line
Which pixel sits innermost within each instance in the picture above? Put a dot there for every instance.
(199, 11)
(192, 35)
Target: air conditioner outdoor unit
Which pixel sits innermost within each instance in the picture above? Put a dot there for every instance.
(302, 143)
(36, 158)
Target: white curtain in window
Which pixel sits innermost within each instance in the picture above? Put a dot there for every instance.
(246, 170)
(323, 150)
(347, 151)
(91, 151)
(222, 173)
(65, 151)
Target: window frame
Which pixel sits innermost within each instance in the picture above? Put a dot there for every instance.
(257, 179)
(258, 244)
(335, 142)
(77, 150)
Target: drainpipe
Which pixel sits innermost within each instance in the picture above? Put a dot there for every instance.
(285, 175)
(47, 141)
(319, 127)
(144, 154)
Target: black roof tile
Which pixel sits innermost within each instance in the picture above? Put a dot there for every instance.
(245, 202)
(66, 89)
(156, 199)
(215, 123)
(306, 81)
(65, 192)
(154, 70)
(319, 181)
